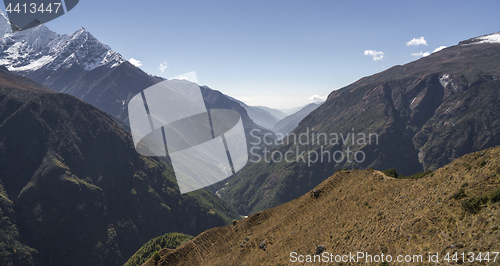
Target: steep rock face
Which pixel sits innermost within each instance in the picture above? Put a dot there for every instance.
(75, 192)
(424, 114)
(110, 89)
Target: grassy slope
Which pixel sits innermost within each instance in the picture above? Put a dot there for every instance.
(169, 240)
(365, 211)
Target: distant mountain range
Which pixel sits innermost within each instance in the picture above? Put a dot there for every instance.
(259, 115)
(290, 122)
(413, 117)
(290, 111)
(73, 190)
(275, 112)
(276, 120)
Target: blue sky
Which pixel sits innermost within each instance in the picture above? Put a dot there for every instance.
(277, 53)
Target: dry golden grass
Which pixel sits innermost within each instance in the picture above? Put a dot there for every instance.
(13, 81)
(363, 211)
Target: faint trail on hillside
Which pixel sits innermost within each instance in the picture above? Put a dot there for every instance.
(383, 175)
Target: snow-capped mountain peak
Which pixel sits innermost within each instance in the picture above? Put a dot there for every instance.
(39, 48)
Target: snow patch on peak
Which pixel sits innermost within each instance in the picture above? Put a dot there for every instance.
(491, 38)
(110, 59)
(34, 65)
(444, 80)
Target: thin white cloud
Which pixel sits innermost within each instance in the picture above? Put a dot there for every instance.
(420, 54)
(246, 99)
(163, 66)
(377, 55)
(191, 76)
(317, 98)
(439, 49)
(135, 62)
(415, 42)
